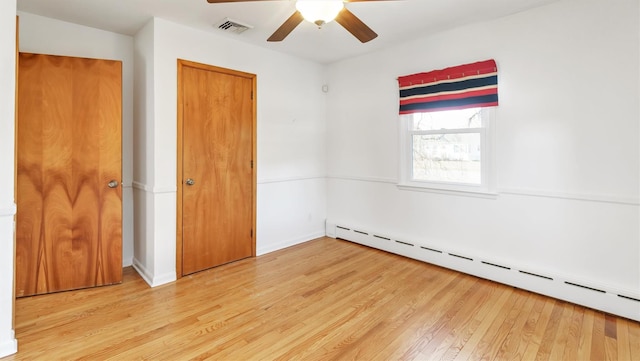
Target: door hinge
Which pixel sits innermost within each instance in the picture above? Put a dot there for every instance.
(252, 95)
(252, 164)
(251, 232)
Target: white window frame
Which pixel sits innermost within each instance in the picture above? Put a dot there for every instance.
(487, 187)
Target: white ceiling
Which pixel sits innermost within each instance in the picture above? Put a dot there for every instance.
(394, 21)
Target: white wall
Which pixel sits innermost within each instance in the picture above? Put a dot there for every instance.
(143, 129)
(567, 144)
(291, 160)
(8, 343)
(63, 38)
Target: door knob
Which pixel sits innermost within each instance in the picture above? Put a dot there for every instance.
(190, 182)
(113, 184)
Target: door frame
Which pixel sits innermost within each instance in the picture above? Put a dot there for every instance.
(15, 174)
(180, 122)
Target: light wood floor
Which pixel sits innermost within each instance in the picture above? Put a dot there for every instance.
(323, 300)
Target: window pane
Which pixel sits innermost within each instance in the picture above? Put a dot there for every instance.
(447, 158)
(450, 119)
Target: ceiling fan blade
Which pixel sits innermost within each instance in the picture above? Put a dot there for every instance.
(231, 1)
(355, 26)
(286, 27)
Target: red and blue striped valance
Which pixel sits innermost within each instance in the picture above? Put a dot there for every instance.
(459, 87)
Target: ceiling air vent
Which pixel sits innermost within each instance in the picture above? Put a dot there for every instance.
(233, 26)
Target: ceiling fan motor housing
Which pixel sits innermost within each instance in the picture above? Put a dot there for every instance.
(319, 12)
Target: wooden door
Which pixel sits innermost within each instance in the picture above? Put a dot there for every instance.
(69, 219)
(216, 175)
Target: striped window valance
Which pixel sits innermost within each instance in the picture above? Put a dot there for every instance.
(459, 87)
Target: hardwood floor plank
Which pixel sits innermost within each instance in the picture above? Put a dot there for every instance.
(448, 328)
(610, 337)
(560, 341)
(509, 350)
(463, 326)
(325, 299)
(573, 336)
(489, 344)
(586, 336)
(624, 344)
(610, 349)
(597, 338)
(529, 327)
(546, 345)
(485, 319)
(493, 347)
(610, 326)
(634, 339)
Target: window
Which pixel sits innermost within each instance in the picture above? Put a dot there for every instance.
(446, 128)
(447, 150)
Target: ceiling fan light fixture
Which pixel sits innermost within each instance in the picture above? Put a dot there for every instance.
(319, 12)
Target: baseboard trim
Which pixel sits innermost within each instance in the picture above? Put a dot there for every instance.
(288, 243)
(9, 346)
(624, 303)
(142, 271)
(152, 281)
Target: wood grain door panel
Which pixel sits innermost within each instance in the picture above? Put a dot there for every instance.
(217, 154)
(69, 222)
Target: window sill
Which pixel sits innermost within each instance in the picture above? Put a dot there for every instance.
(479, 193)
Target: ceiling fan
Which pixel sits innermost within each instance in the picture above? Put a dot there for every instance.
(320, 12)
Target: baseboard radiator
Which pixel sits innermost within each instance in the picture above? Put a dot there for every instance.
(618, 302)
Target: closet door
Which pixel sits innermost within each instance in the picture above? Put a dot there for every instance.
(217, 185)
(69, 172)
